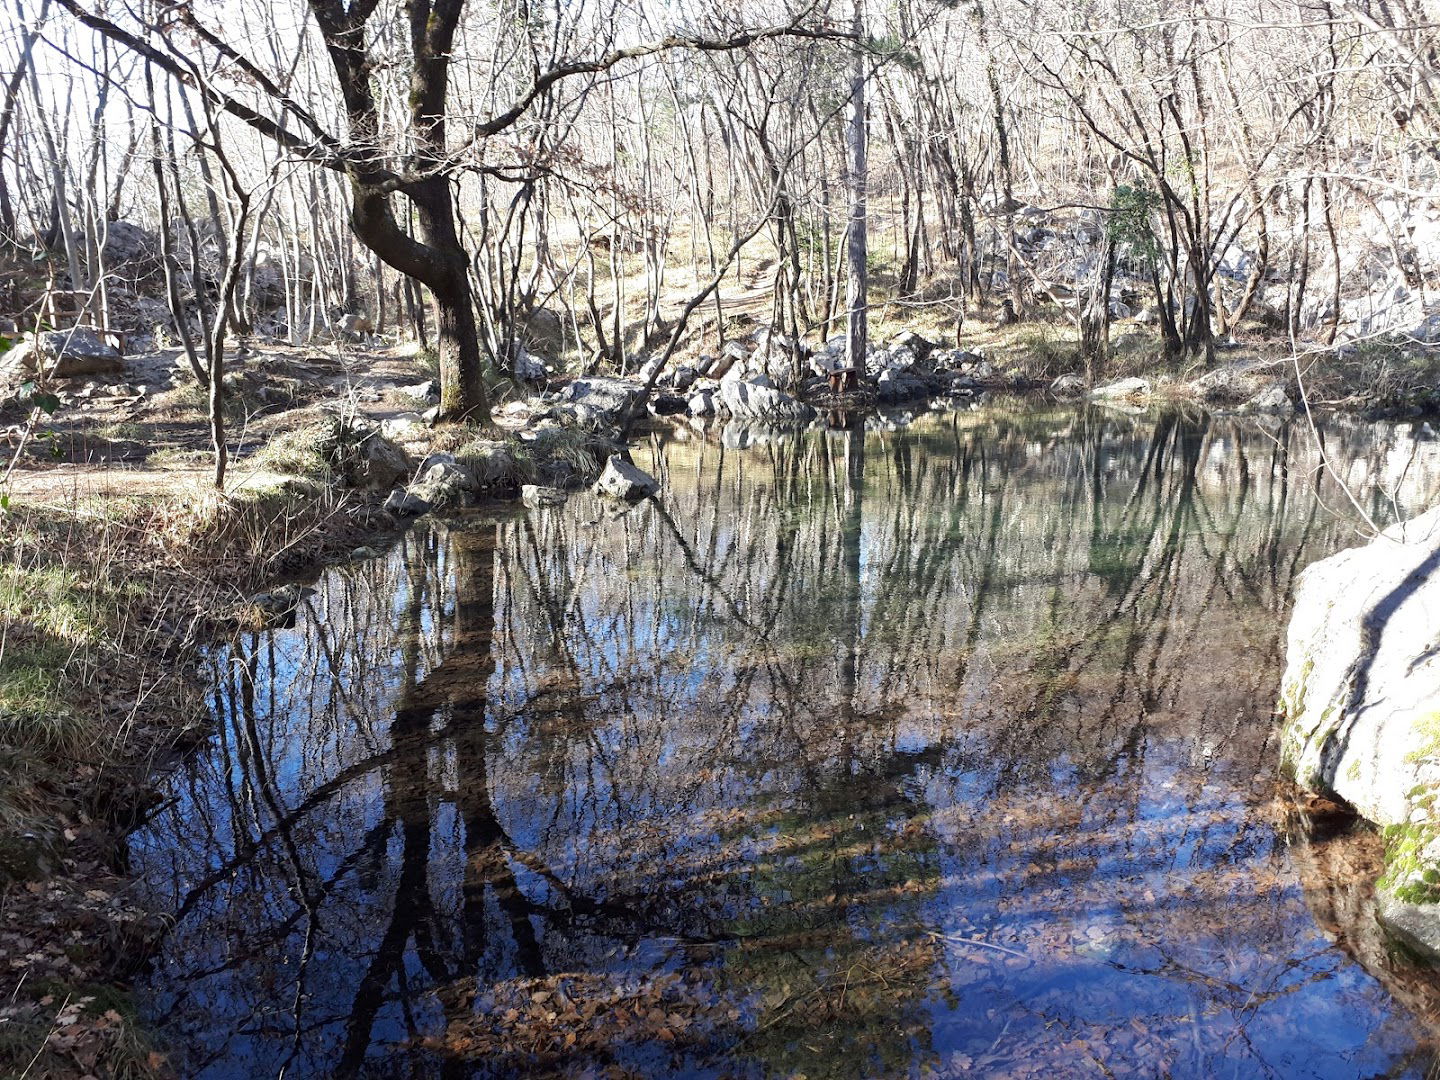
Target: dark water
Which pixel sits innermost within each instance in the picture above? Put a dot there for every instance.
(939, 751)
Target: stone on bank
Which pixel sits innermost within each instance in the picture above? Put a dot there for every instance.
(1361, 702)
(622, 480)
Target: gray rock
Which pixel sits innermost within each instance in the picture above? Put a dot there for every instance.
(277, 606)
(537, 496)
(446, 486)
(894, 358)
(680, 379)
(750, 401)
(1361, 703)
(381, 463)
(527, 367)
(600, 399)
(623, 480)
(127, 243)
(962, 386)
(702, 404)
(65, 354)
(1234, 383)
(403, 425)
(1362, 676)
(1125, 388)
(895, 385)
(1415, 924)
(364, 553)
(405, 504)
(449, 476)
(918, 346)
(1070, 384)
(424, 393)
(1273, 399)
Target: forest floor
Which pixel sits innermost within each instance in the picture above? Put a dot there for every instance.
(121, 563)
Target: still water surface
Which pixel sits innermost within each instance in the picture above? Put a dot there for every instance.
(933, 752)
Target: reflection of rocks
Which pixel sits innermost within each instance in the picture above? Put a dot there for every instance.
(962, 783)
(1361, 695)
(743, 434)
(538, 497)
(1338, 863)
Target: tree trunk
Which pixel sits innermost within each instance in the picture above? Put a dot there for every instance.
(1095, 318)
(857, 329)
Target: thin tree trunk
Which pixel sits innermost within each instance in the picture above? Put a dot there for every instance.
(857, 295)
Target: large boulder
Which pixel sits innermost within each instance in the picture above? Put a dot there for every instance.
(896, 384)
(65, 354)
(379, 463)
(444, 485)
(132, 251)
(623, 480)
(601, 400)
(1122, 390)
(702, 403)
(918, 346)
(1361, 701)
(749, 400)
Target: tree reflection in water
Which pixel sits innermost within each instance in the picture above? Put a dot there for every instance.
(937, 751)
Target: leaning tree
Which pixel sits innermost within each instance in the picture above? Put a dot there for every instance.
(420, 162)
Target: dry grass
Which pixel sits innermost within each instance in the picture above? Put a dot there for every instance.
(105, 603)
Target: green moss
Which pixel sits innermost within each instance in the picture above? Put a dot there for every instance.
(1429, 729)
(1408, 877)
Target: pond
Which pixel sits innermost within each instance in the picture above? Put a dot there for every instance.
(934, 749)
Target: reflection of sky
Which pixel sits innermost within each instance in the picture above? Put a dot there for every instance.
(1078, 767)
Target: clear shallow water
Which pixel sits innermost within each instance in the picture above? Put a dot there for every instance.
(939, 751)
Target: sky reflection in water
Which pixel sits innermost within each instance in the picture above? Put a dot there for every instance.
(944, 751)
